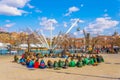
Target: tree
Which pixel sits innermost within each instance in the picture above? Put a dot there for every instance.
(28, 37)
(94, 42)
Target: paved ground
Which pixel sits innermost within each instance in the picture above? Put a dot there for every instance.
(109, 70)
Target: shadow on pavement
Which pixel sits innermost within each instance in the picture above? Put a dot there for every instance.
(86, 75)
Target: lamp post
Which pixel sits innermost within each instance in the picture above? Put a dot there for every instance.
(51, 35)
(105, 41)
(10, 46)
(28, 41)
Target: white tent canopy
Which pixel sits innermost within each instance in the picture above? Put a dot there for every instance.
(23, 45)
(31, 45)
(3, 45)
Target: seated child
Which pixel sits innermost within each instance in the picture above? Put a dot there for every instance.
(60, 63)
(79, 63)
(86, 60)
(36, 64)
(31, 64)
(72, 63)
(22, 61)
(83, 61)
(16, 58)
(55, 65)
(95, 61)
(50, 64)
(66, 64)
(91, 61)
(27, 60)
(98, 58)
(42, 64)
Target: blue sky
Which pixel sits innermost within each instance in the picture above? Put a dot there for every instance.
(95, 16)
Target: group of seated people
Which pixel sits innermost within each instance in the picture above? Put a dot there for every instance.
(32, 60)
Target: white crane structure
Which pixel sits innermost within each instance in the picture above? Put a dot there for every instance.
(73, 25)
(59, 39)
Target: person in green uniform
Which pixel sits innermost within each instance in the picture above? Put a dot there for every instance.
(91, 61)
(66, 64)
(55, 65)
(86, 60)
(72, 63)
(79, 62)
(60, 63)
(95, 60)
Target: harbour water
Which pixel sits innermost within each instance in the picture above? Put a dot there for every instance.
(20, 52)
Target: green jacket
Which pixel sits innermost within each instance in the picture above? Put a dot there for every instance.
(79, 64)
(72, 64)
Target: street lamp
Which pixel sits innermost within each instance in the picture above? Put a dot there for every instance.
(105, 41)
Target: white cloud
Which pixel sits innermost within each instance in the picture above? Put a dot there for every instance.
(38, 11)
(105, 15)
(12, 7)
(2, 29)
(81, 31)
(9, 25)
(65, 24)
(7, 10)
(71, 10)
(7, 20)
(101, 24)
(30, 6)
(79, 21)
(110, 33)
(15, 3)
(48, 24)
(75, 33)
(78, 33)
